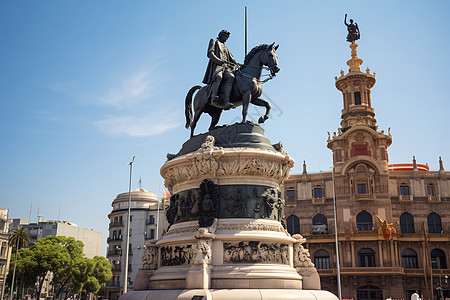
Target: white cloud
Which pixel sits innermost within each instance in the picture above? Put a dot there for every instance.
(124, 95)
(137, 126)
(130, 90)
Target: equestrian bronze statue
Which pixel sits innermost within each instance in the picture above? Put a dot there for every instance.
(246, 88)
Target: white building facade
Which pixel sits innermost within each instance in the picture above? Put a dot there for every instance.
(144, 229)
(91, 239)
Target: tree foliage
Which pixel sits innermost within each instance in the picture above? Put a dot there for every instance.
(17, 239)
(62, 256)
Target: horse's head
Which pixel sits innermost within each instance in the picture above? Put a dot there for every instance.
(272, 59)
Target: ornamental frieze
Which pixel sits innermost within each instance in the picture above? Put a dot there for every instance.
(251, 227)
(212, 164)
(255, 252)
(182, 230)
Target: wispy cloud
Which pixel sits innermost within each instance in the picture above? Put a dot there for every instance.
(124, 92)
(138, 126)
(131, 89)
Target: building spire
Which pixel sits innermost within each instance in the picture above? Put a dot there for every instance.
(304, 168)
(354, 63)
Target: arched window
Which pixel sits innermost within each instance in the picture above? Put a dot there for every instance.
(406, 223)
(293, 225)
(319, 224)
(409, 259)
(366, 257)
(364, 221)
(434, 223)
(369, 292)
(322, 259)
(438, 259)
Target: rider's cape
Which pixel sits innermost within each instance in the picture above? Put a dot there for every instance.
(225, 54)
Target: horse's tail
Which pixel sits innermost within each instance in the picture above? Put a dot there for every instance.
(188, 105)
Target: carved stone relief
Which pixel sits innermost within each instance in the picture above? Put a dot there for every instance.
(176, 255)
(302, 257)
(208, 203)
(256, 252)
(150, 259)
(202, 252)
(212, 201)
(183, 207)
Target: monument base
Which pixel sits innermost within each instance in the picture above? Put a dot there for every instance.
(227, 237)
(227, 294)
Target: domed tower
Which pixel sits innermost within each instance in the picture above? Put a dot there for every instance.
(143, 227)
(360, 156)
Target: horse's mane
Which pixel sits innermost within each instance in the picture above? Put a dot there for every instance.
(255, 50)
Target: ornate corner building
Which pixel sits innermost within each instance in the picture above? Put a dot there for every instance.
(144, 229)
(410, 196)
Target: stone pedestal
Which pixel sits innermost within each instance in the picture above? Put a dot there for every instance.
(227, 237)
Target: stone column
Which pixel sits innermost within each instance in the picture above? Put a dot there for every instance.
(380, 254)
(352, 243)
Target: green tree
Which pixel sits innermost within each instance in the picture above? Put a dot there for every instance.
(18, 239)
(101, 273)
(63, 256)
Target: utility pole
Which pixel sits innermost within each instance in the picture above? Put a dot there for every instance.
(245, 31)
(127, 250)
(336, 241)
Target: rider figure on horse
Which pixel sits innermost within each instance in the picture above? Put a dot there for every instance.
(220, 71)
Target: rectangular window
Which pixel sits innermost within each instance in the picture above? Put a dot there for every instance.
(290, 195)
(357, 98)
(318, 193)
(367, 260)
(404, 190)
(409, 262)
(430, 190)
(151, 219)
(322, 262)
(362, 189)
(152, 233)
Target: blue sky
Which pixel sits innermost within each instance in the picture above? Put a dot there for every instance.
(85, 85)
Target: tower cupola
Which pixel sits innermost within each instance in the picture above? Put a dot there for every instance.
(355, 88)
(358, 140)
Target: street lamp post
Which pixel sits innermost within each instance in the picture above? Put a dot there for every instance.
(336, 241)
(127, 250)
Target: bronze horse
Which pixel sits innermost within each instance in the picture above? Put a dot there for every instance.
(246, 88)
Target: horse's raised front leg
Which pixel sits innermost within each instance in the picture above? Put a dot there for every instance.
(246, 98)
(262, 102)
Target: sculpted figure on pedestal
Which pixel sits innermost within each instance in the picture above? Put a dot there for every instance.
(353, 30)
